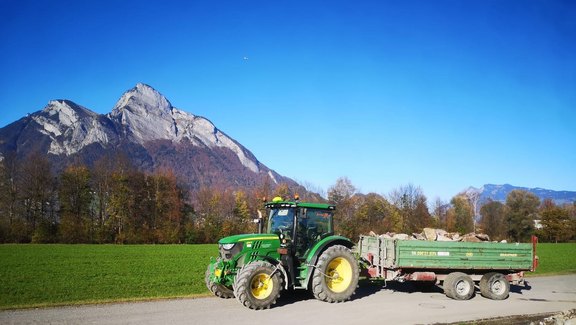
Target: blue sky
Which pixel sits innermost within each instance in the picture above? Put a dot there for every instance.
(438, 93)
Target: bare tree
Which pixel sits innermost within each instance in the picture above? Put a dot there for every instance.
(411, 203)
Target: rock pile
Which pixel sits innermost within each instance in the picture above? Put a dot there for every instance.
(433, 234)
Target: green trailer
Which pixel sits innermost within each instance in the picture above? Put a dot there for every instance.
(457, 266)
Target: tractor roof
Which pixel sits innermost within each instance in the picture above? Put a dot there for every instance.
(294, 204)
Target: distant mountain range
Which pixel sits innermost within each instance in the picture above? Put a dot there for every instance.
(500, 192)
(149, 130)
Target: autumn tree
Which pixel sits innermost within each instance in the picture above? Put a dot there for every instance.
(342, 194)
(11, 225)
(372, 213)
(102, 180)
(522, 208)
(342, 190)
(75, 194)
(167, 225)
(37, 196)
(210, 220)
(412, 207)
(121, 204)
(493, 221)
(241, 213)
(440, 213)
(463, 214)
(557, 226)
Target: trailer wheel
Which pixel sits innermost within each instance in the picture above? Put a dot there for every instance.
(336, 275)
(219, 290)
(257, 285)
(494, 286)
(459, 286)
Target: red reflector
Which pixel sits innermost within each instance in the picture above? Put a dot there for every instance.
(282, 251)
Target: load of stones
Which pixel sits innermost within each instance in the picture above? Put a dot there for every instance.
(433, 234)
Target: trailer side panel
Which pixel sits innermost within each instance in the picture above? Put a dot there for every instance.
(394, 254)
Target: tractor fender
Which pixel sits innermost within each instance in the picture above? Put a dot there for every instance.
(319, 248)
(278, 266)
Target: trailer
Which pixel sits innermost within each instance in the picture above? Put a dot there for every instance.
(457, 266)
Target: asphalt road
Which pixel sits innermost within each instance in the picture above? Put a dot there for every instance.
(372, 304)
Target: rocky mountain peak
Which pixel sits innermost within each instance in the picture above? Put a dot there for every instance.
(143, 100)
(69, 126)
(145, 114)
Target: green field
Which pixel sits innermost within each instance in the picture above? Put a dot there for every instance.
(42, 275)
(555, 259)
(48, 275)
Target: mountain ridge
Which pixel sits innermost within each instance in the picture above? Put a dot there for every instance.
(149, 129)
(499, 193)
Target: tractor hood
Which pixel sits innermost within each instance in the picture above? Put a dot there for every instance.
(247, 238)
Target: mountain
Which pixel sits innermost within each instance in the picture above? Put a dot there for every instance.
(149, 130)
(500, 192)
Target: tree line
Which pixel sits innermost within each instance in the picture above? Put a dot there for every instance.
(113, 202)
(407, 210)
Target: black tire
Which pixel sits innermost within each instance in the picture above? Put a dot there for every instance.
(494, 286)
(330, 285)
(219, 290)
(258, 285)
(459, 286)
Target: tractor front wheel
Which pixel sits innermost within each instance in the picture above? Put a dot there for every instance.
(336, 275)
(258, 285)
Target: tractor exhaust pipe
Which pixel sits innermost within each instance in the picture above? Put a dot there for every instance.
(259, 221)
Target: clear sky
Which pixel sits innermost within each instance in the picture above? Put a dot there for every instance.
(443, 94)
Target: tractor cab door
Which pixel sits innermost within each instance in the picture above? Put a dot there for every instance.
(312, 226)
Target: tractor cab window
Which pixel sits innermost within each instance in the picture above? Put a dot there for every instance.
(313, 226)
(281, 221)
(317, 222)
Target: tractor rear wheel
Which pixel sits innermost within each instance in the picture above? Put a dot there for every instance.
(258, 285)
(219, 290)
(336, 274)
(494, 286)
(459, 286)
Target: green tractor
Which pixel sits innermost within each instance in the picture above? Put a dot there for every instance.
(298, 251)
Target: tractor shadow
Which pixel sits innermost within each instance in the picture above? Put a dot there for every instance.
(365, 289)
(370, 287)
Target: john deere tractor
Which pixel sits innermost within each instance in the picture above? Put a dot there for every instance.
(298, 250)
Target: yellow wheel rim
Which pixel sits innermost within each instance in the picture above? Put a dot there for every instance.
(339, 274)
(261, 286)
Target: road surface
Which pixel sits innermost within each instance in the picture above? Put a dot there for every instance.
(396, 304)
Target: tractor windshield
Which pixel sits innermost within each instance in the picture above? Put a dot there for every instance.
(281, 220)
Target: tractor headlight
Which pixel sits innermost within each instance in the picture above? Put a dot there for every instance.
(228, 246)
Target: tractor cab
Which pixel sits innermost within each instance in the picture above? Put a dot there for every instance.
(299, 225)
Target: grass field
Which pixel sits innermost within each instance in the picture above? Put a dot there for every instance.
(42, 275)
(555, 259)
(48, 275)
